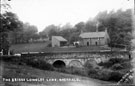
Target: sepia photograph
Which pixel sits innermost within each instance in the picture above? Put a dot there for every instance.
(67, 42)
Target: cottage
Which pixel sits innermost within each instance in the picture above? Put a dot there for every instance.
(94, 38)
(58, 41)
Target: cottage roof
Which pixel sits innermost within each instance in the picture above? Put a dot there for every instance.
(92, 34)
(60, 38)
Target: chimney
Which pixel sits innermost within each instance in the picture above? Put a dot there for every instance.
(106, 30)
(97, 25)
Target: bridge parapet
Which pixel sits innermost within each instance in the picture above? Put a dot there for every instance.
(86, 56)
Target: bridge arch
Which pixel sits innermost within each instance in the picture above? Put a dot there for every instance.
(75, 63)
(59, 64)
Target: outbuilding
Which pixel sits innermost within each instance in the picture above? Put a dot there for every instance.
(58, 41)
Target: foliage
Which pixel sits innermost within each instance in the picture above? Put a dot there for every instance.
(104, 74)
(80, 26)
(50, 30)
(113, 61)
(79, 71)
(38, 63)
(26, 33)
(90, 26)
(9, 22)
(117, 67)
(73, 70)
(112, 70)
(88, 65)
(118, 24)
(115, 76)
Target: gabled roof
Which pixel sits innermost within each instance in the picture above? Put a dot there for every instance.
(60, 38)
(92, 34)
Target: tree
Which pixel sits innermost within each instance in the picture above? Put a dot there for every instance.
(66, 26)
(90, 26)
(9, 22)
(26, 33)
(29, 31)
(51, 30)
(74, 37)
(119, 25)
(80, 26)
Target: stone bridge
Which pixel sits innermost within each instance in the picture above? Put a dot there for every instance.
(77, 59)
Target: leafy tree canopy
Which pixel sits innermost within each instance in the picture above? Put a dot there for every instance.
(8, 22)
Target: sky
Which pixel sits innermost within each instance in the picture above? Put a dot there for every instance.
(42, 13)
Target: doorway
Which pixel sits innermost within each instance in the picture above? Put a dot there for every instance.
(96, 43)
(87, 43)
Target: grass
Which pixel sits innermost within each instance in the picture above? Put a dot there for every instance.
(29, 47)
(13, 70)
(42, 47)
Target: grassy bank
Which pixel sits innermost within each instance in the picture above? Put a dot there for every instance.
(43, 47)
(15, 70)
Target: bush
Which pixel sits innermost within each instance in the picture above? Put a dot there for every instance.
(93, 73)
(127, 65)
(41, 64)
(88, 65)
(117, 60)
(111, 62)
(115, 76)
(79, 71)
(117, 67)
(104, 74)
(105, 64)
(44, 65)
(73, 70)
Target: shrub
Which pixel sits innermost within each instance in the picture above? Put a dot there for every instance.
(93, 73)
(111, 62)
(117, 60)
(106, 64)
(79, 71)
(115, 76)
(88, 65)
(73, 70)
(44, 65)
(104, 74)
(117, 67)
(41, 64)
(127, 64)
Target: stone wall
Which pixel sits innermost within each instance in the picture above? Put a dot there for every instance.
(81, 57)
